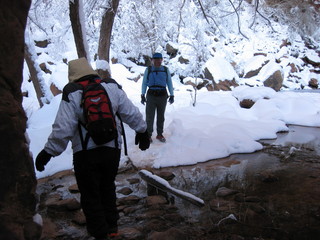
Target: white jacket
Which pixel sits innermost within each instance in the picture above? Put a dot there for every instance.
(65, 126)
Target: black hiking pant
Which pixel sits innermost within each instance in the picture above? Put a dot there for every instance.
(95, 172)
(155, 104)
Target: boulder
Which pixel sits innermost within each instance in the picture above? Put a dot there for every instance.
(313, 83)
(274, 81)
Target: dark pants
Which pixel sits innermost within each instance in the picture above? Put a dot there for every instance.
(155, 103)
(95, 172)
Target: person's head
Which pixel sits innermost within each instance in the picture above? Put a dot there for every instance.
(157, 59)
(79, 68)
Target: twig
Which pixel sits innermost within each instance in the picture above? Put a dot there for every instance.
(239, 28)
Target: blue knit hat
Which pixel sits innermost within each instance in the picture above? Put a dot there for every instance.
(157, 55)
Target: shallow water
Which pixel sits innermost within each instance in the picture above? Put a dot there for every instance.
(299, 137)
(237, 171)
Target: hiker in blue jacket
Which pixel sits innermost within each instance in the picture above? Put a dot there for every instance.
(156, 78)
(95, 166)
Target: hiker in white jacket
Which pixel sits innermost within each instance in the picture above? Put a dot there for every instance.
(95, 166)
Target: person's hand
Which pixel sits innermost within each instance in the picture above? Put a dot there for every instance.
(171, 99)
(42, 159)
(143, 140)
(143, 99)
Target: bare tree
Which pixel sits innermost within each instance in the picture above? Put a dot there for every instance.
(33, 74)
(78, 29)
(105, 35)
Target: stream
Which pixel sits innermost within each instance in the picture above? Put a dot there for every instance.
(236, 171)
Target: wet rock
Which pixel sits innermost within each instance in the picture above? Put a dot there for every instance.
(130, 200)
(131, 209)
(257, 208)
(155, 200)
(220, 205)
(170, 234)
(268, 177)
(240, 197)
(79, 218)
(49, 229)
(133, 180)
(223, 192)
(74, 188)
(32, 230)
(131, 233)
(166, 175)
(125, 191)
(63, 205)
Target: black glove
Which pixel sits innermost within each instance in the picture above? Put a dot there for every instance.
(143, 140)
(143, 99)
(171, 99)
(42, 159)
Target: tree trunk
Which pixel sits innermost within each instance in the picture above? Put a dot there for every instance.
(77, 28)
(33, 74)
(18, 181)
(105, 35)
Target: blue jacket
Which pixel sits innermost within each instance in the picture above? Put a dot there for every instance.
(157, 78)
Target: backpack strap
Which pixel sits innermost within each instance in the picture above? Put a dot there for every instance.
(84, 141)
(165, 70)
(111, 80)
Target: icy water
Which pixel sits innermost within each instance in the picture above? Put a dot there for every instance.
(236, 171)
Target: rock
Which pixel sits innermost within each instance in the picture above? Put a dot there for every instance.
(166, 175)
(79, 218)
(64, 204)
(74, 188)
(240, 197)
(171, 51)
(44, 68)
(42, 44)
(130, 233)
(49, 229)
(130, 200)
(55, 91)
(223, 192)
(314, 62)
(220, 205)
(246, 103)
(125, 191)
(274, 81)
(133, 180)
(156, 200)
(224, 85)
(131, 209)
(32, 230)
(170, 234)
(183, 60)
(313, 83)
(254, 65)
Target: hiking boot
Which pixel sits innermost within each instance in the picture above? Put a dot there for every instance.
(161, 138)
(113, 233)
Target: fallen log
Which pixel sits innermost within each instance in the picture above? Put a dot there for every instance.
(164, 185)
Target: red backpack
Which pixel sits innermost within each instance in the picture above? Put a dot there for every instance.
(98, 114)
